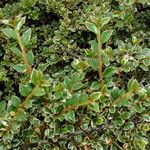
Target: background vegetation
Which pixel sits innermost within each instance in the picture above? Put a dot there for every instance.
(74, 74)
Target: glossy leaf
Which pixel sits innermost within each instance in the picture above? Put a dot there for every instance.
(36, 77)
(39, 92)
(106, 35)
(133, 85)
(92, 27)
(95, 96)
(9, 32)
(109, 72)
(2, 106)
(94, 106)
(83, 99)
(25, 89)
(16, 51)
(30, 57)
(105, 20)
(26, 37)
(15, 101)
(20, 68)
(20, 23)
(70, 116)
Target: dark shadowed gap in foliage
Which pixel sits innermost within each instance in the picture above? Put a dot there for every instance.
(82, 40)
(15, 84)
(40, 117)
(114, 5)
(123, 34)
(87, 37)
(145, 19)
(59, 66)
(140, 7)
(91, 76)
(142, 76)
(2, 53)
(80, 5)
(44, 19)
(4, 2)
(2, 88)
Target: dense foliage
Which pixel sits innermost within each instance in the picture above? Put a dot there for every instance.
(74, 74)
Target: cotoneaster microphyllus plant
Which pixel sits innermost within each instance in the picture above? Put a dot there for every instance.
(74, 75)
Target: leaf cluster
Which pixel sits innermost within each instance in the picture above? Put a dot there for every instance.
(75, 74)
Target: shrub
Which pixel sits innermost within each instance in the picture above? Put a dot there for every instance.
(75, 74)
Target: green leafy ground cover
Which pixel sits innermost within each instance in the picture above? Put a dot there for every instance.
(74, 74)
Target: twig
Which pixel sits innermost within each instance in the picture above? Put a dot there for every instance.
(100, 61)
(120, 98)
(23, 50)
(21, 107)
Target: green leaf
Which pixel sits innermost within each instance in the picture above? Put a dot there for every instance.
(9, 32)
(138, 108)
(114, 147)
(94, 106)
(25, 89)
(125, 115)
(69, 128)
(16, 51)
(39, 92)
(92, 27)
(36, 76)
(145, 52)
(21, 116)
(30, 57)
(146, 117)
(95, 85)
(68, 83)
(106, 36)
(109, 72)
(20, 23)
(125, 102)
(95, 96)
(73, 101)
(77, 86)
(141, 142)
(15, 101)
(43, 66)
(76, 77)
(133, 85)
(105, 59)
(20, 68)
(129, 126)
(29, 103)
(112, 110)
(2, 106)
(70, 116)
(26, 36)
(99, 121)
(105, 20)
(94, 46)
(93, 63)
(144, 67)
(146, 62)
(83, 99)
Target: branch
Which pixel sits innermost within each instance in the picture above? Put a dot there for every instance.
(100, 61)
(27, 65)
(22, 106)
(89, 130)
(119, 99)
